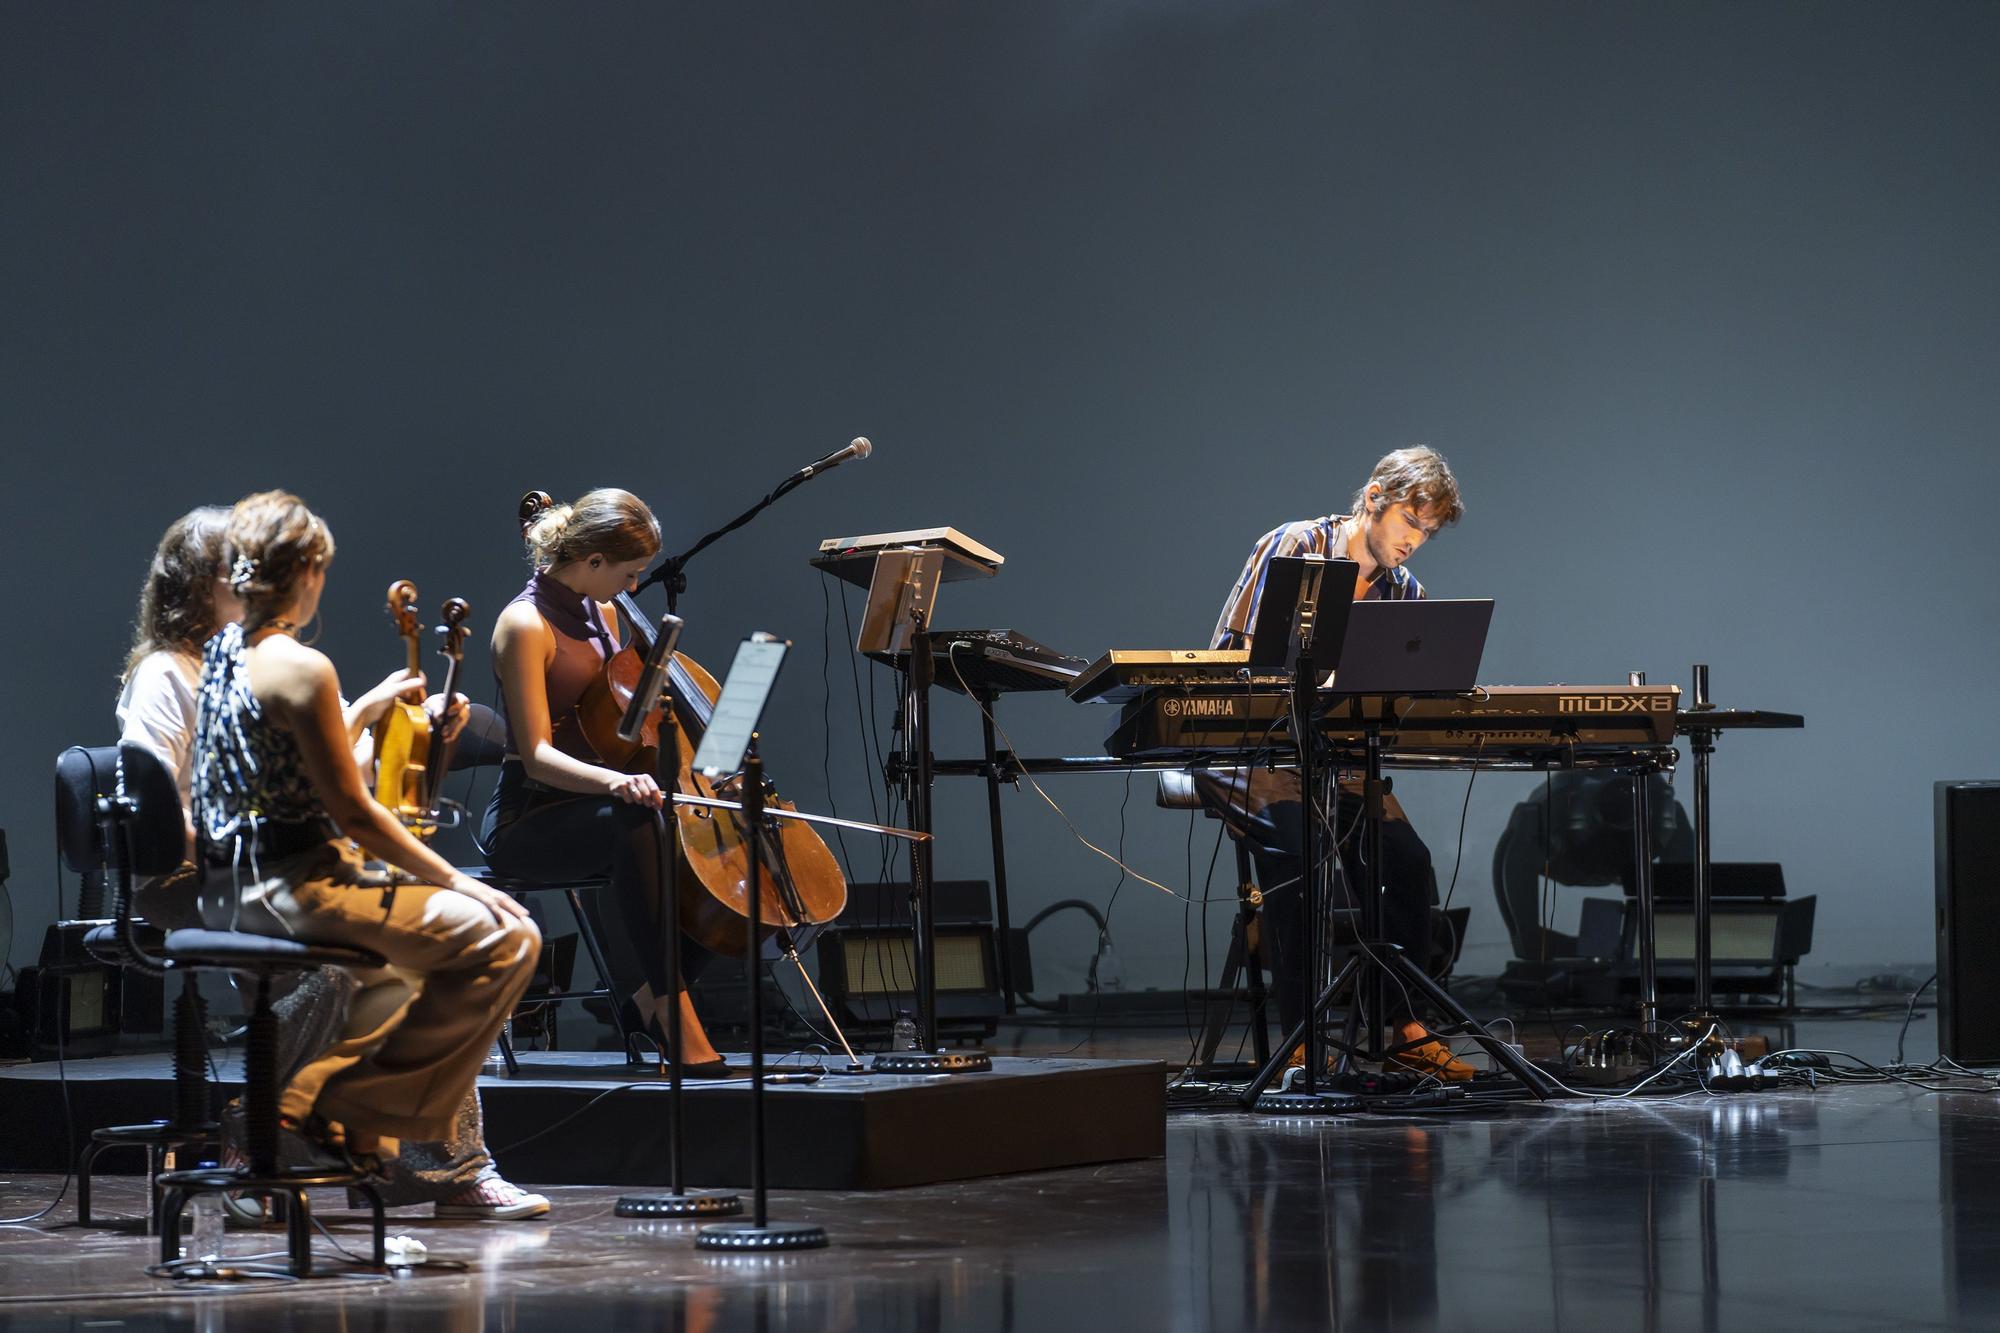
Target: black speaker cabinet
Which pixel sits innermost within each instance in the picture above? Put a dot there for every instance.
(1968, 921)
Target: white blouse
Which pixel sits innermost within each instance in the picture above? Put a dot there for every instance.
(157, 710)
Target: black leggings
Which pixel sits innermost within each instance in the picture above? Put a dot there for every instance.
(555, 836)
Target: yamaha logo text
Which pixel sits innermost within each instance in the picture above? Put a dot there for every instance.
(1199, 707)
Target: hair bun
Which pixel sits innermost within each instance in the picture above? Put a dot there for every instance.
(609, 522)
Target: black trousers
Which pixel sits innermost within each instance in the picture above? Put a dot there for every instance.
(551, 836)
(1267, 811)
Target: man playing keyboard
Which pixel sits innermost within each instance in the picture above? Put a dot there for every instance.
(1409, 496)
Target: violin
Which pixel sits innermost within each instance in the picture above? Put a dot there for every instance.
(411, 756)
(801, 887)
(403, 734)
(451, 647)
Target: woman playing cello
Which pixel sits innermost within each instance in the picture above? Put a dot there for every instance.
(559, 812)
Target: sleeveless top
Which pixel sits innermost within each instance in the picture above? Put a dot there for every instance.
(246, 771)
(582, 645)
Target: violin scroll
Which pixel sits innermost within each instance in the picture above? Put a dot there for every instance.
(452, 632)
(403, 608)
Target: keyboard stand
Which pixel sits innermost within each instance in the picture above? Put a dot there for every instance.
(1374, 961)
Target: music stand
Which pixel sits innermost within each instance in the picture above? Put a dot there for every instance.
(896, 626)
(728, 746)
(1293, 613)
(1307, 645)
(676, 1202)
(1374, 961)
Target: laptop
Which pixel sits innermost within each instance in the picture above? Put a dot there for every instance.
(1416, 647)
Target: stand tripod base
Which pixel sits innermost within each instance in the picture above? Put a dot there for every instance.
(1391, 959)
(1307, 1103)
(933, 1062)
(678, 1205)
(749, 1238)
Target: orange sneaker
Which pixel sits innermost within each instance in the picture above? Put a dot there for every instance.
(1433, 1057)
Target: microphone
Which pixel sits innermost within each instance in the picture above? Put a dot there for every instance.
(859, 448)
(647, 692)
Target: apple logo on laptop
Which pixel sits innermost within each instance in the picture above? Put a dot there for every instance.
(1414, 646)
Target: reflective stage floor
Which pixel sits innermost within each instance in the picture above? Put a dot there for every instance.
(1847, 1208)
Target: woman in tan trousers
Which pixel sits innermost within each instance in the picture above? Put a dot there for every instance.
(185, 598)
(275, 787)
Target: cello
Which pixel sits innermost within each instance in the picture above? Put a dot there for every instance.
(801, 887)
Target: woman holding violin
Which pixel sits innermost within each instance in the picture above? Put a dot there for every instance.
(559, 810)
(274, 783)
(186, 598)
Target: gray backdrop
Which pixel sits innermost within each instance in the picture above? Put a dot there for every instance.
(1698, 298)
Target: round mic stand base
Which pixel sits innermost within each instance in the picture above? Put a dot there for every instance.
(1307, 1103)
(933, 1062)
(751, 1238)
(678, 1205)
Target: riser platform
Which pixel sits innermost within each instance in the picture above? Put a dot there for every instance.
(872, 1131)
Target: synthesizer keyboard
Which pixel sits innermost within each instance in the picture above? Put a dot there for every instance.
(1498, 722)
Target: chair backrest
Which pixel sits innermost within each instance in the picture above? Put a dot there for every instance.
(87, 774)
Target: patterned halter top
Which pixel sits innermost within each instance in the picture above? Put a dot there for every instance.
(246, 771)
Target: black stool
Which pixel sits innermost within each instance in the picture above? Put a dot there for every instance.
(1177, 791)
(262, 957)
(117, 809)
(572, 889)
(191, 1125)
(118, 813)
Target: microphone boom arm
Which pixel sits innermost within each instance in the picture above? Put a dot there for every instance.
(668, 571)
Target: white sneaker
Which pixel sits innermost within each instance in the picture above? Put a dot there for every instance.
(494, 1199)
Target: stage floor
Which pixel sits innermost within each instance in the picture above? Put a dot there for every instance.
(1847, 1208)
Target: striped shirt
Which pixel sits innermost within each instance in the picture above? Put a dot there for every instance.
(1313, 536)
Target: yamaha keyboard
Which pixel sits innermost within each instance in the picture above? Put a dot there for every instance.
(1124, 674)
(1500, 722)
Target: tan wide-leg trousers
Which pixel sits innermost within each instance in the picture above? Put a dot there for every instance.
(416, 1032)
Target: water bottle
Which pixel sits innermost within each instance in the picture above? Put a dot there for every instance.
(905, 1035)
(1110, 972)
(204, 1224)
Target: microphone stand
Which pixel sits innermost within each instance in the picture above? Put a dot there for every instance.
(676, 1202)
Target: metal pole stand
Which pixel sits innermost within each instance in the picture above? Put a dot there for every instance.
(759, 1235)
(1642, 888)
(916, 773)
(1366, 969)
(1701, 744)
(1308, 1100)
(677, 1202)
(1003, 924)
